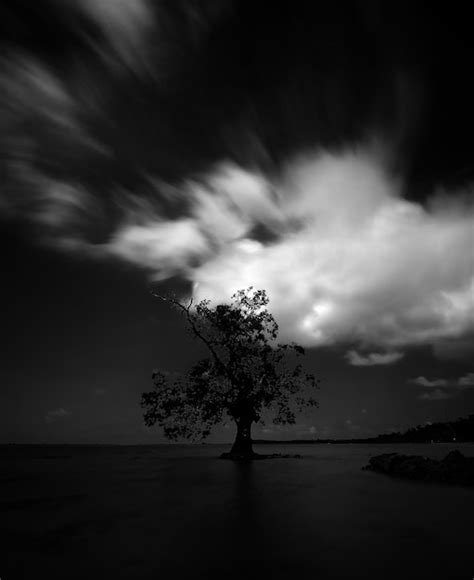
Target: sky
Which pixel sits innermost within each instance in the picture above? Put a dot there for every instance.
(321, 152)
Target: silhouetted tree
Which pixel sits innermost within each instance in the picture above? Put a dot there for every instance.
(246, 373)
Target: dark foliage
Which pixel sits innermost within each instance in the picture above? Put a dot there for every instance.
(460, 430)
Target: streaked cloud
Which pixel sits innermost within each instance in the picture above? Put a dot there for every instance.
(30, 87)
(126, 26)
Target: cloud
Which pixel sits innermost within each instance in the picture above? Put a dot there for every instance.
(125, 25)
(373, 358)
(61, 211)
(42, 130)
(450, 387)
(424, 382)
(224, 207)
(463, 382)
(35, 103)
(351, 426)
(56, 414)
(166, 247)
(436, 395)
(466, 381)
(31, 88)
(354, 260)
(344, 257)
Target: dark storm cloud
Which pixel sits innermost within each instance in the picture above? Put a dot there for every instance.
(233, 145)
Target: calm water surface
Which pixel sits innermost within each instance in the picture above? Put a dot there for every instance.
(179, 512)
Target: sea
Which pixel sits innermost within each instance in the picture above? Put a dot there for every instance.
(176, 511)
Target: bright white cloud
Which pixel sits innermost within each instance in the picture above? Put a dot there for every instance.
(354, 261)
(168, 247)
(373, 358)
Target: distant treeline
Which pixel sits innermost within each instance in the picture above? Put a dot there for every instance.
(460, 430)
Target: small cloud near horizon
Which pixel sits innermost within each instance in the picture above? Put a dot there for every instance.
(56, 414)
(374, 358)
(463, 382)
(436, 395)
(467, 380)
(424, 382)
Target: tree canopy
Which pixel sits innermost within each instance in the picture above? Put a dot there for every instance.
(247, 374)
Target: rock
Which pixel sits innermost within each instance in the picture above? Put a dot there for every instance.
(454, 457)
(381, 462)
(453, 469)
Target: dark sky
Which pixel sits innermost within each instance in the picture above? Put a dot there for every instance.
(117, 122)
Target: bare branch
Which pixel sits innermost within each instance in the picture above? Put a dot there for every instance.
(186, 310)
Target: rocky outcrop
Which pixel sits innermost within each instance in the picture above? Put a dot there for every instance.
(455, 468)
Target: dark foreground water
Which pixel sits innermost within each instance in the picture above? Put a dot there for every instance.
(179, 512)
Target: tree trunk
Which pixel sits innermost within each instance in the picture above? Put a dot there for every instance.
(242, 447)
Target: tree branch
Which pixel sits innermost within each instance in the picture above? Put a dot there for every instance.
(192, 324)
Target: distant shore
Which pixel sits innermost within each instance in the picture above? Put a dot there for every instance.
(345, 441)
(459, 431)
